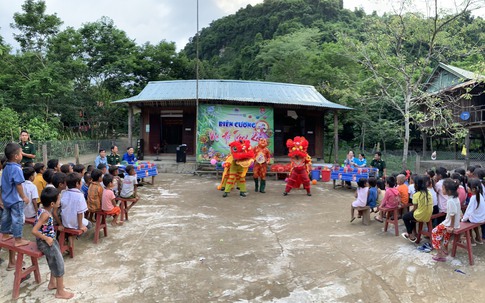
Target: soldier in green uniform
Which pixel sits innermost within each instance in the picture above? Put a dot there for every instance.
(380, 164)
(114, 158)
(28, 148)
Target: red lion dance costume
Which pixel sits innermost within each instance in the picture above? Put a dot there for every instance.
(300, 165)
(262, 157)
(242, 158)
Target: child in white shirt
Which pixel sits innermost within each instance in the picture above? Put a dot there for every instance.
(129, 186)
(73, 205)
(30, 190)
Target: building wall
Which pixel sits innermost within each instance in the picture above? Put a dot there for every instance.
(308, 123)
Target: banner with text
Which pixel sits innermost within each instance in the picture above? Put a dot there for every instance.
(219, 125)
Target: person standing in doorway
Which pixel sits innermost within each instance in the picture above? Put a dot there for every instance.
(28, 148)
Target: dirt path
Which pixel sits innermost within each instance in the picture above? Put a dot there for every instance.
(185, 243)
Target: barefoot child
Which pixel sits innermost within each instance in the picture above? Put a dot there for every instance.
(361, 194)
(109, 200)
(129, 186)
(13, 196)
(46, 242)
(443, 231)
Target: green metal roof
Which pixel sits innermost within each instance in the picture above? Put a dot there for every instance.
(233, 90)
(444, 76)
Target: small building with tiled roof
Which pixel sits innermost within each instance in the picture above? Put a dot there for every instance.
(208, 114)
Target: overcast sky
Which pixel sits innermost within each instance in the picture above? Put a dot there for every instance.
(154, 20)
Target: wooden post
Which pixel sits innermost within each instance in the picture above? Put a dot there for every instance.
(467, 146)
(335, 135)
(417, 164)
(76, 152)
(319, 136)
(424, 144)
(44, 154)
(323, 136)
(130, 125)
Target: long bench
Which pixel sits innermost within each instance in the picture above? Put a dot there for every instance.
(465, 228)
(20, 273)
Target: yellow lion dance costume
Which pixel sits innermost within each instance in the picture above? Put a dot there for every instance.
(242, 158)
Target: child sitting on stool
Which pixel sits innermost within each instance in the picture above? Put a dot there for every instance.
(361, 194)
(109, 201)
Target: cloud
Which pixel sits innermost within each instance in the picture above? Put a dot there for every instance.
(143, 20)
(153, 20)
(231, 6)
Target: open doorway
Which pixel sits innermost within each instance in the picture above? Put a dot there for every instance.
(171, 133)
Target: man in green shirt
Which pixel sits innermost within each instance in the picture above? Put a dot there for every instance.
(380, 164)
(114, 158)
(28, 148)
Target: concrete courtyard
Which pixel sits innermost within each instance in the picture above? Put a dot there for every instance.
(185, 243)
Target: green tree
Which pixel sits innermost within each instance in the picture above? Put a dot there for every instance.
(284, 58)
(43, 131)
(35, 26)
(399, 51)
(9, 124)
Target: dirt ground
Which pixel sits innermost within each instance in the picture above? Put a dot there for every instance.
(185, 243)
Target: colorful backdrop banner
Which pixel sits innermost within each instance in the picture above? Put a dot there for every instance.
(219, 125)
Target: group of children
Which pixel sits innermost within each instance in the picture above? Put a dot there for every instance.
(421, 196)
(66, 194)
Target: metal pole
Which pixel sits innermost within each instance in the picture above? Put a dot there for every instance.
(335, 135)
(130, 122)
(197, 83)
(467, 147)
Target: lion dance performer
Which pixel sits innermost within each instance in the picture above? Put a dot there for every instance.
(262, 157)
(226, 165)
(242, 155)
(300, 165)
